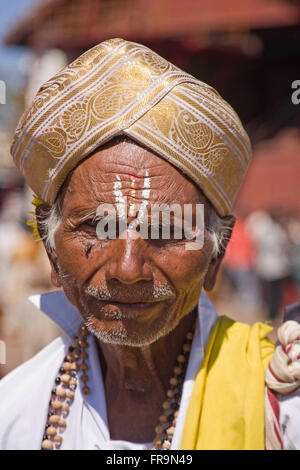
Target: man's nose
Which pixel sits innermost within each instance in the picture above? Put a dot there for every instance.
(129, 264)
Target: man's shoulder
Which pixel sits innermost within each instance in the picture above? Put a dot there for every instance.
(233, 327)
(25, 394)
(35, 365)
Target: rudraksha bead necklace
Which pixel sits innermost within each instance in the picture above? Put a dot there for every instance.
(62, 395)
(167, 421)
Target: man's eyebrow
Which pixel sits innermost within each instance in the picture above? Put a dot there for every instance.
(81, 213)
(88, 215)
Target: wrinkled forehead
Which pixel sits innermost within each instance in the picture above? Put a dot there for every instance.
(124, 169)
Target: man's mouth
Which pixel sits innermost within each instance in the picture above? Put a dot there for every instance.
(132, 305)
(142, 311)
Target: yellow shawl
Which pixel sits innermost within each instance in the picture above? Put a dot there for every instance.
(226, 409)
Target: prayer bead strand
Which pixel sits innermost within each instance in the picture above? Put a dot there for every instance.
(62, 395)
(167, 421)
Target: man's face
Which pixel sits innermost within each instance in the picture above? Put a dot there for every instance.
(128, 291)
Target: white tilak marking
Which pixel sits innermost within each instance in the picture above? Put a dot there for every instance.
(146, 192)
(146, 195)
(132, 210)
(132, 184)
(119, 197)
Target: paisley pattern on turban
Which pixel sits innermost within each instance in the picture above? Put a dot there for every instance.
(119, 87)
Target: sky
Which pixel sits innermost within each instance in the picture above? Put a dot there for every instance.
(11, 57)
(12, 61)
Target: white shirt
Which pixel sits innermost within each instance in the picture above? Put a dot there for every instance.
(25, 392)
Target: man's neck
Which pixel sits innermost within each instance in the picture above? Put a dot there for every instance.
(136, 380)
(143, 368)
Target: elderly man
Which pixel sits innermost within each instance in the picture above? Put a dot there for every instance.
(144, 361)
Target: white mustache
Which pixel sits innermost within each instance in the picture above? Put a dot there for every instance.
(159, 292)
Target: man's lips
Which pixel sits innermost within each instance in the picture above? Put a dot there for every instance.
(141, 311)
(132, 305)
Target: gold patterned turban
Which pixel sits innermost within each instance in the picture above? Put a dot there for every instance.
(120, 87)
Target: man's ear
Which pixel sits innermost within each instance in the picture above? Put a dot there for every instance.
(42, 213)
(213, 269)
(55, 278)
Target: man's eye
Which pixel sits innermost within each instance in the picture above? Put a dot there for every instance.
(162, 234)
(91, 223)
(88, 224)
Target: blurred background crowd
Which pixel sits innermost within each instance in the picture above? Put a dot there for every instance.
(250, 52)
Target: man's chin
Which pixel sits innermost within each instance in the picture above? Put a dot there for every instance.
(130, 334)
